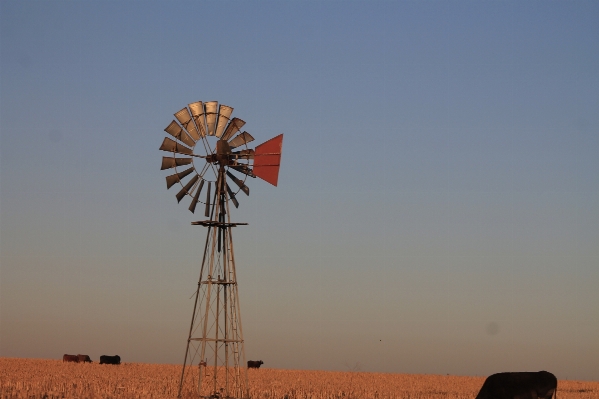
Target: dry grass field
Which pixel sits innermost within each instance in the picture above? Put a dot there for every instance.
(37, 378)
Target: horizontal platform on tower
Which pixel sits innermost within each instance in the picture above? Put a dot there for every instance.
(223, 282)
(227, 340)
(207, 223)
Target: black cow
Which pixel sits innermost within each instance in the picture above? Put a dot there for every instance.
(84, 359)
(110, 359)
(254, 364)
(70, 358)
(529, 385)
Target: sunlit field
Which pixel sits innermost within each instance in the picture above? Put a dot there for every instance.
(37, 378)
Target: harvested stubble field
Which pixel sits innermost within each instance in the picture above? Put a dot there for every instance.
(38, 378)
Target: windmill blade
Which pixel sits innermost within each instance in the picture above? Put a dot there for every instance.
(193, 132)
(243, 169)
(242, 139)
(211, 114)
(177, 132)
(224, 113)
(173, 146)
(184, 118)
(244, 154)
(234, 126)
(197, 112)
(187, 188)
(239, 183)
(168, 162)
(172, 179)
(267, 160)
(232, 196)
(207, 211)
(194, 202)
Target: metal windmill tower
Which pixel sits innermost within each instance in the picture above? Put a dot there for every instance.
(207, 154)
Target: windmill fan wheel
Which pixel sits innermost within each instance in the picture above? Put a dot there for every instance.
(205, 142)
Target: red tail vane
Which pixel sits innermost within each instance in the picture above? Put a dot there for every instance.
(267, 160)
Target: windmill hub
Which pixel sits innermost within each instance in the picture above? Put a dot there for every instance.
(223, 150)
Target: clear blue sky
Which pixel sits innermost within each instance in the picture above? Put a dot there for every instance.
(437, 208)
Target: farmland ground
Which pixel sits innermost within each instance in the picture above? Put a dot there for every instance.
(40, 378)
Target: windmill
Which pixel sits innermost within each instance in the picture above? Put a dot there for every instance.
(212, 161)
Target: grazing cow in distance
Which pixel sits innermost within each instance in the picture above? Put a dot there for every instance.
(527, 385)
(254, 364)
(70, 358)
(84, 359)
(104, 359)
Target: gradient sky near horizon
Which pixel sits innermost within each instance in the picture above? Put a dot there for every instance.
(438, 201)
